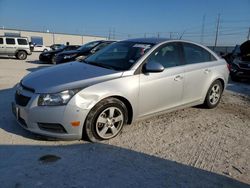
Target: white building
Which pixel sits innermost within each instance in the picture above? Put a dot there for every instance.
(48, 38)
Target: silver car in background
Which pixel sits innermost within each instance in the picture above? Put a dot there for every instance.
(126, 81)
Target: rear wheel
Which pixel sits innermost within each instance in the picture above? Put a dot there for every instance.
(214, 94)
(53, 60)
(105, 120)
(22, 55)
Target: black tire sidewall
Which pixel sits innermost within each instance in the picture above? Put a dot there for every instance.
(53, 60)
(207, 101)
(90, 123)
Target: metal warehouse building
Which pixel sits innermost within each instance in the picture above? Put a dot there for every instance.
(48, 38)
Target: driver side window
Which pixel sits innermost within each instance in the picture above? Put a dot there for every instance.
(167, 55)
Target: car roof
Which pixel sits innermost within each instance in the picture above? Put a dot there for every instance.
(153, 40)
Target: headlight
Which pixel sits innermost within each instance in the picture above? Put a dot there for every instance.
(56, 99)
(69, 56)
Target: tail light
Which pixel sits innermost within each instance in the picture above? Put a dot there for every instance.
(229, 66)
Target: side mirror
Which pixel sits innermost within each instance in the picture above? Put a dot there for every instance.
(153, 67)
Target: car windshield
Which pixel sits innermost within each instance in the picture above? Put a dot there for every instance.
(119, 56)
(88, 46)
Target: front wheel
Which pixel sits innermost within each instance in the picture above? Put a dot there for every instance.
(214, 94)
(105, 120)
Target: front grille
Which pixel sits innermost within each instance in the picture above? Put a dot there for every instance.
(52, 127)
(21, 99)
(244, 65)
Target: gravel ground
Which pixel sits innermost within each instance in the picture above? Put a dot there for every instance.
(193, 147)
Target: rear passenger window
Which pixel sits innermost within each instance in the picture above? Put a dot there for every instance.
(22, 41)
(10, 41)
(167, 55)
(196, 54)
(1, 40)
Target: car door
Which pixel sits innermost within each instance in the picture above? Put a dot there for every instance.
(2, 46)
(198, 70)
(161, 91)
(10, 46)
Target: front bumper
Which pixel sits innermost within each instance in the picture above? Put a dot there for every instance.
(44, 58)
(31, 117)
(241, 73)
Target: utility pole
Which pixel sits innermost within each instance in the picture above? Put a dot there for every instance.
(217, 31)
(145, 35)
(248, 36)
(203, 28)
(170, 35)
(113, 33)
(158, 35)
(109, 34)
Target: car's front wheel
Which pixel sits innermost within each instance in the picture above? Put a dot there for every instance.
(214, 94)
(105, 120)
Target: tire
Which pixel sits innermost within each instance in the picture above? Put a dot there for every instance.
(53, 60)
(235, 78)
(45, 50)
(100, 124)
(213, 95)
(22, 55)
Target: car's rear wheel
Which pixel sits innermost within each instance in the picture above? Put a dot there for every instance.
(53, 60)
(22, 55)
(105, 120)
(214, 94)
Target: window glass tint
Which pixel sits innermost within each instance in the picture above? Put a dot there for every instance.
(22, 41)
(167, 55)
(1, 40)
(120, 55)
(100, 46)
(196, 54)
(10, 41)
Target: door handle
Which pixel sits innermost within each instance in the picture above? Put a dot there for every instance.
(206, 71)
(178, 78)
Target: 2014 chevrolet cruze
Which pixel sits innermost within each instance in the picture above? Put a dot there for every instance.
(125, 81)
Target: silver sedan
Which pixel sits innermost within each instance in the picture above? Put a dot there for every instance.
(123, 82)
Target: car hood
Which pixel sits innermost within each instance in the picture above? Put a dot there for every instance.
(52, 52)
(67, 76)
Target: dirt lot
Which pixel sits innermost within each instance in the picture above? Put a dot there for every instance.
(193, 147)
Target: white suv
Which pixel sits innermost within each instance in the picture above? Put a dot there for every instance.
(14, 46)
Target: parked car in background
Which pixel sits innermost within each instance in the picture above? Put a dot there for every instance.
(41, 48)
(125, 81)
(15, 46)
(239, 62)
(49, 56)
(82, 52)
(57, 46)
